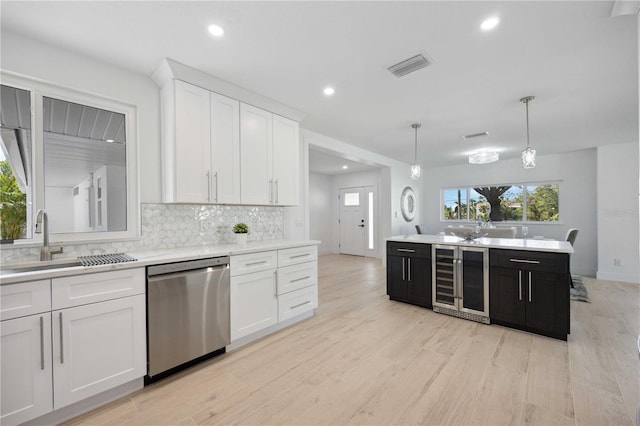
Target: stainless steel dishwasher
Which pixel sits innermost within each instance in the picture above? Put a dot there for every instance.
(187, 313)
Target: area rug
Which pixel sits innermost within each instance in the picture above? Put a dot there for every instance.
(578, 291)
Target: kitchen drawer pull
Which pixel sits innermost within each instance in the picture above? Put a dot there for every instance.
(301, 304)
(300, 279)
(299, 255)
(275, 284)
(262, 262)
(406, 250)
(533, 262)
(529, 286)
(61, 340)
(41, 343)
(409, 268)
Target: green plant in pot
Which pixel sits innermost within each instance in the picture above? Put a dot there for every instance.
(241, 230)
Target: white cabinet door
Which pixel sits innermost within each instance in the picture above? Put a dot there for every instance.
(25, 368)
(286, 173)
(254, 303)
(256, 155)
(225, 149)
(97, 347)
(192, 148)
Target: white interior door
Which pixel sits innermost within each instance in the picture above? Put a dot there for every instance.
(352, 221)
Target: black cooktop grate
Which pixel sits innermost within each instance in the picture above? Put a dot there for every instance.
(105, 259)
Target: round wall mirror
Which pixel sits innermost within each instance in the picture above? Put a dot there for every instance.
(408, 204)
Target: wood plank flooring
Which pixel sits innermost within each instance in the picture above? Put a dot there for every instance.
(363, 359)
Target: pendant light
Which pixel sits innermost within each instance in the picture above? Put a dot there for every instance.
(416, 171)
(528, 155)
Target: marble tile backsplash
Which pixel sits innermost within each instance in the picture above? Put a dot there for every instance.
(166, 226)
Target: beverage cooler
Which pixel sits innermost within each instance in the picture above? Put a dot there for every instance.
(460, 281)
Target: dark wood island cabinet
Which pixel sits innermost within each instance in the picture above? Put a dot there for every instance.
(409, 273)
(530, 291)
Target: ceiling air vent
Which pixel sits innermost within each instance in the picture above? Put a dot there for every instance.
(409, 65)
(475, 135)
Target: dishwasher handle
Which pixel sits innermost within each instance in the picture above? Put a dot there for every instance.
(168, 276)
(198, 264)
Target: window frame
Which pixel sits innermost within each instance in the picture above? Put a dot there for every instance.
(524, 220)
(38, 90)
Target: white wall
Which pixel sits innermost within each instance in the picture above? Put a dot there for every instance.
(321, 212)
(576, 172)
(394, 176)
(31, 58)
(618, 229)
(59, 201)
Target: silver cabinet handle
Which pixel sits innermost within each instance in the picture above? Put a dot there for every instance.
(275, 284)
(529, 286)
(409, 268)
(300, 279)
(520, 285)
(533, 262)
(301, 304)
(41, 343)
(215, 175)
(299, 255)
(61, 339)
(271, 191)
(277, 190)
(262, 262)
(209, 186)
(406, 250)
(403, 277)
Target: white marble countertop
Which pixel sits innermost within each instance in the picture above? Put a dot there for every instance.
(499, 243)
(145, 258)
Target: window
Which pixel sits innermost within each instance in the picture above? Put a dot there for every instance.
(79, 163)
(351, 199)
(531, 202)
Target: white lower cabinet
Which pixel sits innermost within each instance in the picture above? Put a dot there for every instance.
(274, 294)
(97, 347)
(93, 340)
(254, 303)
(25, 368)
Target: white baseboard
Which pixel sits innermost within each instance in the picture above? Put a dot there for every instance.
(613, 276)
(264, 332)
(86, 405)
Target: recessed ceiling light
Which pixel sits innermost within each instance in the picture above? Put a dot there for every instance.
(329, 91)
(345, 167)
(490, 23)
(216, 30)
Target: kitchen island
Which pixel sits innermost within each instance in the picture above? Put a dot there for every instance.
(519, 283)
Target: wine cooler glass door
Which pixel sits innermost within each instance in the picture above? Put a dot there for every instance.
(444, 276)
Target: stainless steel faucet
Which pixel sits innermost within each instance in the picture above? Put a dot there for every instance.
(42, 226)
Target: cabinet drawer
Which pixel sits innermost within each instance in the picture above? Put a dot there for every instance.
(295, 277)
(395, 248)
(297, 302)
(297, 255)
(82, 289)
(530, 260)
(22, 299)
(253, 262)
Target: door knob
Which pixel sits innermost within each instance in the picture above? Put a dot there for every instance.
(361, 226)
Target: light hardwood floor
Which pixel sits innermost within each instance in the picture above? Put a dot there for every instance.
(363, 359)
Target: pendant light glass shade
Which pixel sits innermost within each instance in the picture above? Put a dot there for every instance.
(416, 170)
(529, 154)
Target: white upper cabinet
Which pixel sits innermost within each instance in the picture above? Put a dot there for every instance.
(286, 171)
(187, 144)
(225, 149)
(256, 134)
(221, 149)
(269, 157)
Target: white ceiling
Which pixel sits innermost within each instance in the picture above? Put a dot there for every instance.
(580, 64)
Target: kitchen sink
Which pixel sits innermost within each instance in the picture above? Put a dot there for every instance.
(18, 268)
